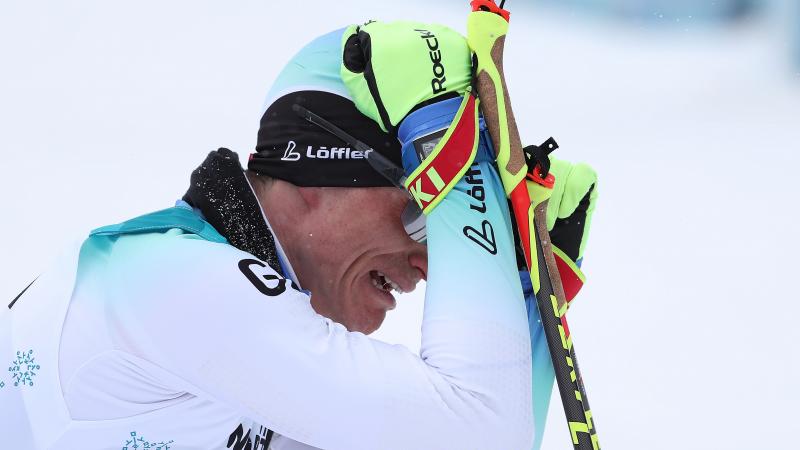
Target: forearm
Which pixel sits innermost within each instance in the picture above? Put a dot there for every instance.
(475, 331)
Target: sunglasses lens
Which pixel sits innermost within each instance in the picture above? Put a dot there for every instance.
(414, 221)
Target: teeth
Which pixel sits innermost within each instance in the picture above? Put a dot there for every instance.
(392, 284)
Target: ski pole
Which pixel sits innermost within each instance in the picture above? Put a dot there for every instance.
(487, 27)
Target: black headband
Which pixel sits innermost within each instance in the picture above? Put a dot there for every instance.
(292, 149)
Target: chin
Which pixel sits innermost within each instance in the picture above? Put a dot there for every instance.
(364, 321)
(356, 317)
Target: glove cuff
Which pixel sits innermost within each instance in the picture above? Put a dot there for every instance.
(422, 129)
(440, 142)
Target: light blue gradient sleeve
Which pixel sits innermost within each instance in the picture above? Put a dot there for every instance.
(471, 248)
(474, 302)
(474, 299)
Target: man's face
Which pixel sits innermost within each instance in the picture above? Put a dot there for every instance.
(357, 255)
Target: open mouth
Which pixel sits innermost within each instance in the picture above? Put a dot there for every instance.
(383, 282)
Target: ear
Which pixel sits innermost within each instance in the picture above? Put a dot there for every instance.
(277, 195)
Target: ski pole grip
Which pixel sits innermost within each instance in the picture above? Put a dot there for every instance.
(486, 34)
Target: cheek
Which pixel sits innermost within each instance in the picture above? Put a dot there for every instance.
(358, 304)
(371, 226)
(388, 217)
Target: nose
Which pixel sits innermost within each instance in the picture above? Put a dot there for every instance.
(418, 259)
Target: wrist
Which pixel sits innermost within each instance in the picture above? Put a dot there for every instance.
(422, 129)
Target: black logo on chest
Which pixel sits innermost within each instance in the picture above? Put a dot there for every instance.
(269, 284)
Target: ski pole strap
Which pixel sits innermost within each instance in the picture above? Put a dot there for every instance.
(449, 160)
(572, 279)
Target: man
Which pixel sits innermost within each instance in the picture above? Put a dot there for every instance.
(237, 318)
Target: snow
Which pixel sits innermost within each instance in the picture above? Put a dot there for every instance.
(685, 330)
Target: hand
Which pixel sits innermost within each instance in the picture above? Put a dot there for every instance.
(390, 68)
(569, 216)
(569, 212)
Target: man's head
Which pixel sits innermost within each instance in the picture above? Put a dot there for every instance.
(346, 245)
(346, 241)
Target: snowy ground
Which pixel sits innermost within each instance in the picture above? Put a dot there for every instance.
(686, 328)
